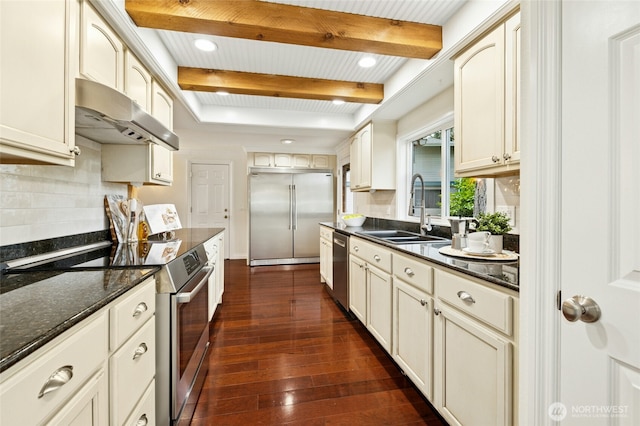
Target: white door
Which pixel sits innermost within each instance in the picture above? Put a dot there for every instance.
(210, 190)
(600, 229)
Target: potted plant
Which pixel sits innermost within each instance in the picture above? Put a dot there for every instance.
(497, 224)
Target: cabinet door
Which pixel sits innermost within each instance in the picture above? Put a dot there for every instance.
(355, 154)
(473, 372)
(161, 164)
(37, 118)
(262, 159)
(379, 307)
(89, 407)
(101, 51)
(161, 105)
(326, 262)
(479, 103)
(365, 142)
(320, 161)
(358, 288)
(301, 160)
(220, 269)
(282, 160)
(137, 82)
(512, 90)
(413, 334)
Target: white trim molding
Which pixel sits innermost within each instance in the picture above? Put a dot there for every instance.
(540, 172)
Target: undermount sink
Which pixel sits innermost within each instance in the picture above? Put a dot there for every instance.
(402, 237)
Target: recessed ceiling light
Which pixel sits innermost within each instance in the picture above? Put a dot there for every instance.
(222, 93)
(205, 45)
(337, 101)
(286, 141)
(367, 62)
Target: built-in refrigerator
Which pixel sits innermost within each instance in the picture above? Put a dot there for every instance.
(285, 208)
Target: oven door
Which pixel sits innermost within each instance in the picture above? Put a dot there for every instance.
(191, 339)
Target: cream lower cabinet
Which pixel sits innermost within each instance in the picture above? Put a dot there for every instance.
(97, 373)
(413, 321)
(326, 256)
(474, 352)
(214, 247)
(370, 290)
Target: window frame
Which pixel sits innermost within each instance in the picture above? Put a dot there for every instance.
(406, 166)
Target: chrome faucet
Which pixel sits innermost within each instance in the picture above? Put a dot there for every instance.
(422, 207)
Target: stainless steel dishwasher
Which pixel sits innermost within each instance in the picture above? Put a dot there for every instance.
(341, 270)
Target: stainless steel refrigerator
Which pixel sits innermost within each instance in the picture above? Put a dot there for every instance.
(285, 208)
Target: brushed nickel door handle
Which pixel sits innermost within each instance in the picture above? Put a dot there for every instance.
(581, 308)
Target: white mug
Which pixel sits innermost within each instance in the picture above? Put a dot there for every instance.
(478, 241)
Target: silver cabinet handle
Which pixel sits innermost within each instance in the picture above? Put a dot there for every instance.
(140, 350)
(356, 248)
(376, 258)
(495, 158)
(436, 311)
(409, 271)
(506, 156)
(59, 378)
(423, 302)
(76, 151)
(581, 308)
(142, 421)
(140, 309)
(466, 297)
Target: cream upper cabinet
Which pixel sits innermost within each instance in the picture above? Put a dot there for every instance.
(474, 360)
(37, 60)
(161, 105)
(287, 161)
(101, 50)
(486, 101)
(137, 82)
(150, 164)
(282, 160)
(372, 151)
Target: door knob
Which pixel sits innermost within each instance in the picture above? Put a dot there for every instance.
(581, 308)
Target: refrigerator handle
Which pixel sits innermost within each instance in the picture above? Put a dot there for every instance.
(295, 209)
(290, 206)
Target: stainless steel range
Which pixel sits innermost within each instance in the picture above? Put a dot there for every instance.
(182, 323)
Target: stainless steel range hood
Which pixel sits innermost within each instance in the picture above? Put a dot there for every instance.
(105, 115)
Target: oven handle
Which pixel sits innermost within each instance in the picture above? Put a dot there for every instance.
(186, 297)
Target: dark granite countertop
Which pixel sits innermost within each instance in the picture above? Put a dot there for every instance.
(36, 307)
(502, 273)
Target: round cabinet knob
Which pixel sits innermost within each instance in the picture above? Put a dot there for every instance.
(495, 159)
(581, 308)
(506, 156)
(376, 258)
(423, 302)
(409, 271)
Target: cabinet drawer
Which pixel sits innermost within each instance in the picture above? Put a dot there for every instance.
(488, 305)
(133, 311)
(373, 254)
(326, 233)
(79, 355)
(145, 411)
(413, 272)
(131, 369)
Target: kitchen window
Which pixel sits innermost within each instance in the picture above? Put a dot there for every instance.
(431, 155)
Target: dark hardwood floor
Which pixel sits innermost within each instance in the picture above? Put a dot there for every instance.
(284, 353)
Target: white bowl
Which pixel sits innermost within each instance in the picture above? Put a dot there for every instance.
(354, 221)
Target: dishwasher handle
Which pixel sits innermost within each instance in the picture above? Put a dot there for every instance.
(339, 242)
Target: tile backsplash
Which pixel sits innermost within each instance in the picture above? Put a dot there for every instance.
(42, 202)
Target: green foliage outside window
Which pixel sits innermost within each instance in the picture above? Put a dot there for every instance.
(462, 196)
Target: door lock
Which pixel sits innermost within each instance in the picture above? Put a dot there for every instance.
(581, 308)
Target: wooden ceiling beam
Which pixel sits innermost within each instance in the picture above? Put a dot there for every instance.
(247, 83)
(256, 20)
